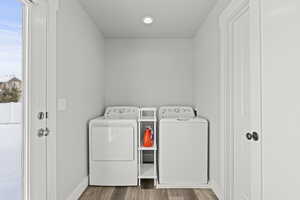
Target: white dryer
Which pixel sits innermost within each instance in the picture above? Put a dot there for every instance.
(183, 148)
(113, 147)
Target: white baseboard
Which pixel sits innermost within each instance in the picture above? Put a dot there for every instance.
(162, 186)
(79, 189)
(217, 190)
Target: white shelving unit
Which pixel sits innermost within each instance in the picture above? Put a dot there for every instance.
(147, 117)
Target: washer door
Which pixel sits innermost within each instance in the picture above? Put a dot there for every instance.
(112, 143)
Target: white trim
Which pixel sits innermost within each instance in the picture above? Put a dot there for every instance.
(256, 67)
(161, 186)
(51, 99)
(32, 2)
(27, 2)
(77, 192)
(217, 190)
(31, 74)
(26, 117)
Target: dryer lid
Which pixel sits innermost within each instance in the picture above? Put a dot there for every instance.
(176, 112)
(121, 112)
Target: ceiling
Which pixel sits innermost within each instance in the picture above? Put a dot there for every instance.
(172, 18)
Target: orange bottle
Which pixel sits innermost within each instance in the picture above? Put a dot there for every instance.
(148, 138)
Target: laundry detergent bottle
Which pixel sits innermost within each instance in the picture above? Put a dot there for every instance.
(148, 138)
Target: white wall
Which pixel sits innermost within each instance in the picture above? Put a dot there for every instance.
(80, 81)
(281, 99)
(207, 86)
(148, 72)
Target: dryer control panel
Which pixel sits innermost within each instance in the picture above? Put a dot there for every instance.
(174, 112)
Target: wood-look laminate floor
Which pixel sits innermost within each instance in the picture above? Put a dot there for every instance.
(136, 193)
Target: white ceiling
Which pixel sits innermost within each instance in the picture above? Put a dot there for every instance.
(172, 18)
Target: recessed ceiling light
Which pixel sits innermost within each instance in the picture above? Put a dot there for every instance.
(148, 20)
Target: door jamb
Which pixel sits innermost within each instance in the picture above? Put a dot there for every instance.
(226, 20)
(51, 98)
(26, 121)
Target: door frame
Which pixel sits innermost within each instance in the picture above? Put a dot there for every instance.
(51, 98)
(226, 20)
(50, 48)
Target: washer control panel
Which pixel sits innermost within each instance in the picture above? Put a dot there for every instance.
(121, 112)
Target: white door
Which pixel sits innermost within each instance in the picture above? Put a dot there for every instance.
(246, 104)
(241, 99)
(241, 108)
(36, 23)
(22, 150)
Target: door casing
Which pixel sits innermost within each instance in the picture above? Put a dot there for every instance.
(234, 9)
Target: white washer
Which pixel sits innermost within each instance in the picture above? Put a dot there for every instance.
(113, 147)
(183, 148)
